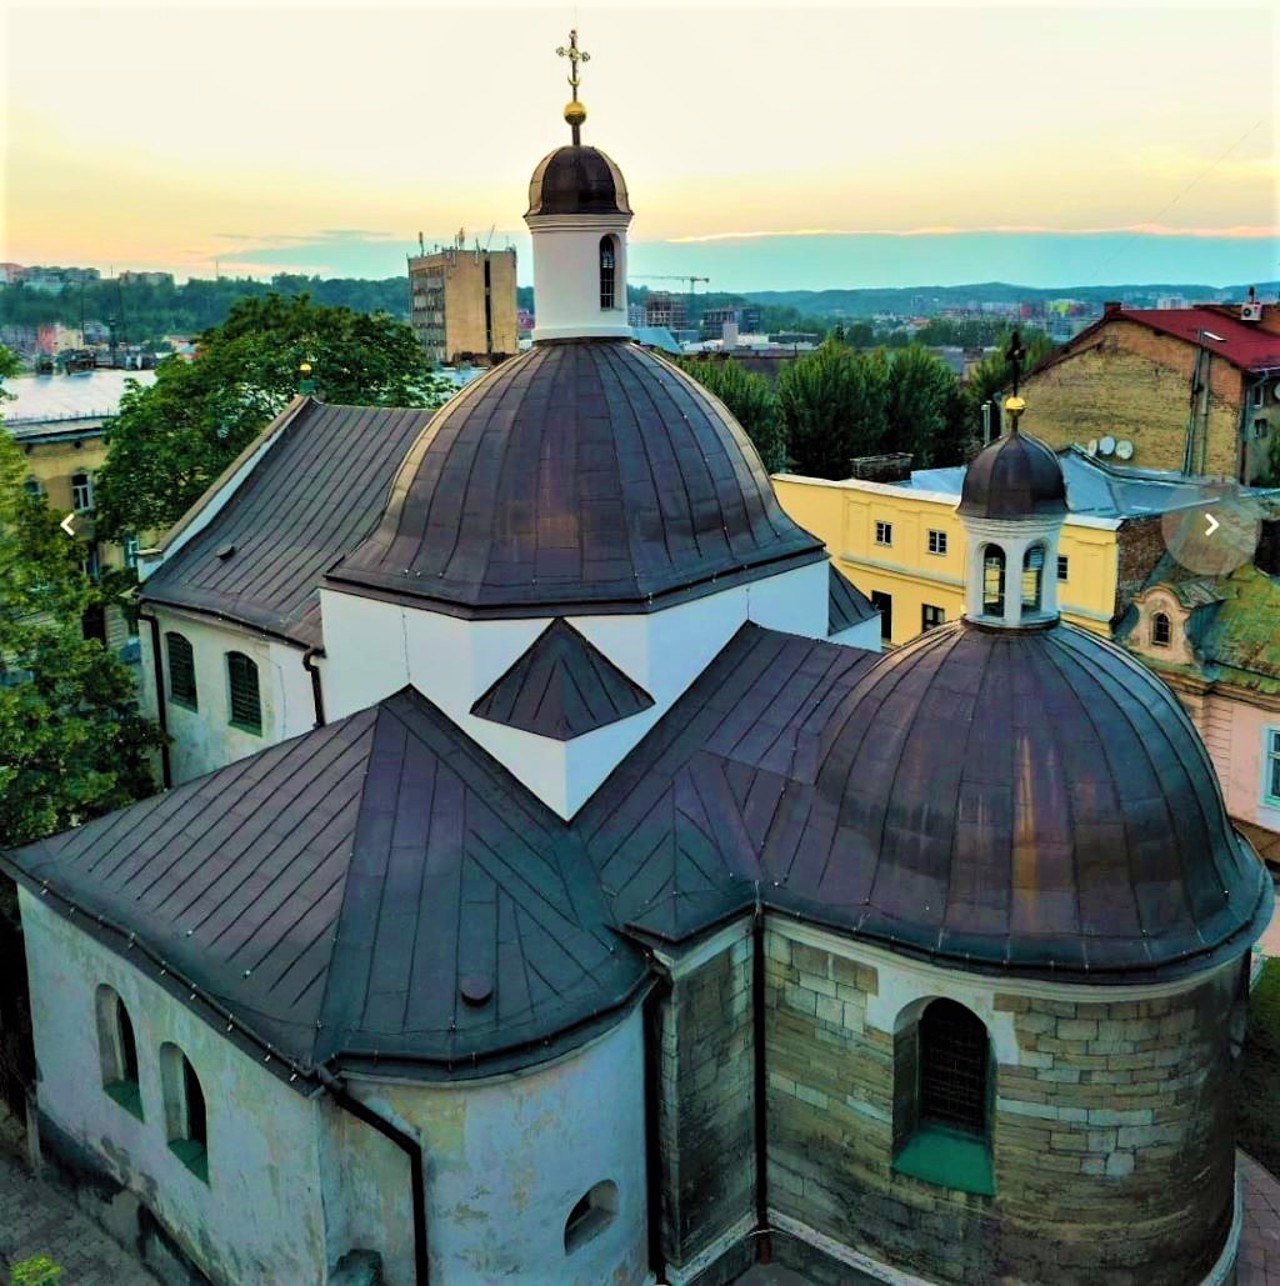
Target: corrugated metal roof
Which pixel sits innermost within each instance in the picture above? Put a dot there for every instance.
(586, 473)
(317, 493)
(562, 687)
(43, 399)
(847, 605)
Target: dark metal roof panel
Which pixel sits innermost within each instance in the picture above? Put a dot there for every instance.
(847, 605)
(562, 687)
(316, 494)
(577, 180)
(586, 473)
(1016, 476)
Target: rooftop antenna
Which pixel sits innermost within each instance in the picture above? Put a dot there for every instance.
(422, 246)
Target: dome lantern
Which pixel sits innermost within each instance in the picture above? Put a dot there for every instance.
(578, 217)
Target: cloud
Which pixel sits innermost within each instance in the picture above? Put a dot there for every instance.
(1237, 232)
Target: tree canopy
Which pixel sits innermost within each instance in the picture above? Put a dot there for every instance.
(170, 441)
(72, 744)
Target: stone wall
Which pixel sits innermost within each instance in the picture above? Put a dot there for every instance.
(1112, 1128)
(1133, 383)
(707, 1116)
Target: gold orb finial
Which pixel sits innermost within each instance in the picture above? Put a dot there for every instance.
(305, 368)
(1013, 408)
(575, 112)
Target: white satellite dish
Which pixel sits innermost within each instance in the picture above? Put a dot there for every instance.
(1107, 445)
(1124, 449)
(1092, 448)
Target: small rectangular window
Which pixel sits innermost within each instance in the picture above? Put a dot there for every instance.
(1062, 567)
(883, 603)
(1273, 766)
(884, 533)
(130, 546)
(937, 542)
(81, 492)
(182, 671)
(246, 704)
(931, 617)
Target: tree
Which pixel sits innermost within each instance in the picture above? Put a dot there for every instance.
(918, 398)
(752, 402)
(170, 441)
(833, 403)
(72, 744)
(994, 374)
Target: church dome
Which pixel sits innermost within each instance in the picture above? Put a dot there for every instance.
(577, 180)
(1073, 826)
(585, 475)
(1015, 477)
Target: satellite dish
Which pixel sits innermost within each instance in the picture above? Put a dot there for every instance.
(1092, 448)
(1124, 449)
(1275, 392)
(1107, 445)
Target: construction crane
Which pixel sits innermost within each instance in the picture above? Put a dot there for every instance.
(693, 281)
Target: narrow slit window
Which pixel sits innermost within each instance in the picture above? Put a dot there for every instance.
(182, 671)
(608, 271)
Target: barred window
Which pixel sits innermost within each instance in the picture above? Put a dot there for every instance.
(953, 1067)
(246, 704)
(608, 271)
(182, 671)
(1161, 630)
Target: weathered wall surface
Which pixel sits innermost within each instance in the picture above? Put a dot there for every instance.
(507, 1160)
(707, 1115)
(1112, 1127)
(204, 739)
(1132, 383)
(258, 1221)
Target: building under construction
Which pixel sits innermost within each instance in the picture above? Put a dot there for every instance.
(463, 304)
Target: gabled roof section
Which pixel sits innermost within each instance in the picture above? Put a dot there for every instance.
(378, 890)
(847, 605)
(562, 687)
(1243, 344)
(316, 493)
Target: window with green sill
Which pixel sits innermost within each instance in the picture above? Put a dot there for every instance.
(185, 1114)
(942, 1099)
(118, 1052)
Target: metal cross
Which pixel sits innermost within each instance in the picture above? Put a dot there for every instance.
(575, 56)
(1015, 355)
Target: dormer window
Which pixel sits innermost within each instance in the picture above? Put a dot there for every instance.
(1032, 578)
(993, 581)
(1161, 630)
(608, 271)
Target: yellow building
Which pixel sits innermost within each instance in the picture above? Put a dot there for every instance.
(463, 304)
(901, 543)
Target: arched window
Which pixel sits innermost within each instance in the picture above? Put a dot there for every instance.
(608, 270)
(185, 1117)
(245, 702)
(1032, 578)
(118, 1051)
(592, 1214)
(993, 581)
(943, 1095)
(182, 670)
(1161, 630)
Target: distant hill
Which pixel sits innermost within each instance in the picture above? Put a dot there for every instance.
(929, 299)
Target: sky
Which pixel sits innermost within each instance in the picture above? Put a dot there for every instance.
(764, 146)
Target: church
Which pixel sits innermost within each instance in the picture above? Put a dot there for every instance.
(558, 886)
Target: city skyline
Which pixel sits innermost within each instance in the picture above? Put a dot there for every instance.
(841, 145)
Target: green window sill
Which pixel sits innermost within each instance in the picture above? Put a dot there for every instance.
(127, 1094)
(193, 1155)
(254, 728)
(949, 1158)
(182, 703)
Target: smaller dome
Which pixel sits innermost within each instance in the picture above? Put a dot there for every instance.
(1016, 477)
(577, 180)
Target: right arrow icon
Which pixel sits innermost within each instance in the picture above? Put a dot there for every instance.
(1211, 524)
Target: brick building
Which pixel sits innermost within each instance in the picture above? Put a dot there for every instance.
(1192, 389)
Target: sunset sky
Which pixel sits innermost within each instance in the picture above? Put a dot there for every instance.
(754, 138)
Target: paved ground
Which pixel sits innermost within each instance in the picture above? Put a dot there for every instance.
(1260, 1238)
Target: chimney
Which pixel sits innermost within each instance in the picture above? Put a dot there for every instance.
(1111, 306)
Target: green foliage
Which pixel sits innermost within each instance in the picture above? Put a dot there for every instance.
(38, 1270)
(1270, 475)
(72, 744)
(1258, 1115)
(993, 374)
(834, 404)
(170, 441)
(752, 402)
(919, 397)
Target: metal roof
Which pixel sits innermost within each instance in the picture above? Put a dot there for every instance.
(577, 180)
(847, 605)
(1016, 476)
(316, 494)
(562, 687)
(382, 894)
(87, 395)
(584, 474)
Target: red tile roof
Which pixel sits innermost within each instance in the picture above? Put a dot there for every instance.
(1243, 344)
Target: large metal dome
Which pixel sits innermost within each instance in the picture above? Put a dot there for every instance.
(577, 180)
(1027, 801)
(585, 474)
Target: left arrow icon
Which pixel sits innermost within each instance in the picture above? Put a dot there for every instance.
(66, 524)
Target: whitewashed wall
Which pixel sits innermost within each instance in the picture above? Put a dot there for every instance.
(259, 1220)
